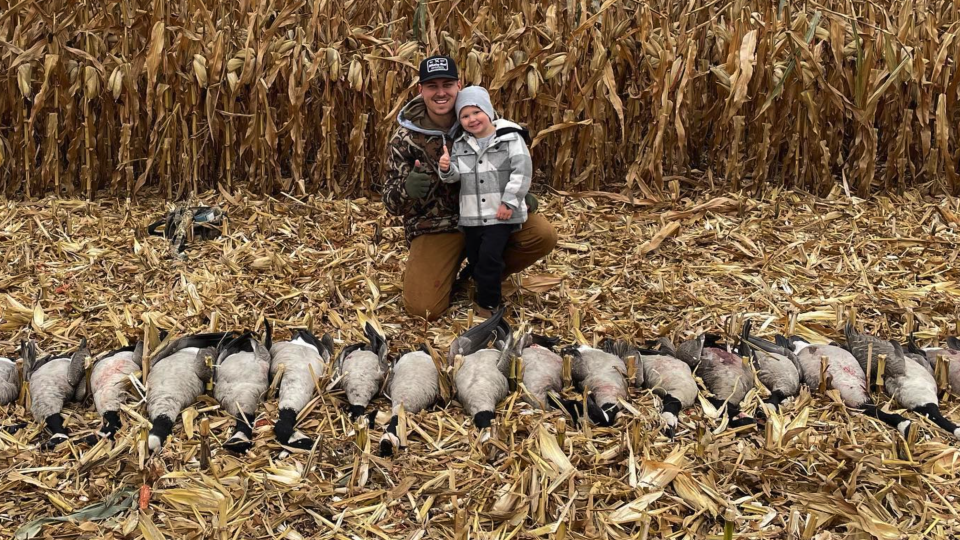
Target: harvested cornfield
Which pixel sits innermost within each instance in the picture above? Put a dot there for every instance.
(623, 267)
(623, 95)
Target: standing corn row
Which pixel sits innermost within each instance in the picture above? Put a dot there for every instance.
(619, 95)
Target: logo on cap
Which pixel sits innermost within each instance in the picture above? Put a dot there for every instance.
(437, 64)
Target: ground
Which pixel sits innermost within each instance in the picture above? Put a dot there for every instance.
(623, 268)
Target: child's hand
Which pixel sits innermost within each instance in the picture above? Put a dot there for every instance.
(504, 212)
(445, 160)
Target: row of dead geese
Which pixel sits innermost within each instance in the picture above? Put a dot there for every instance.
(241, 367)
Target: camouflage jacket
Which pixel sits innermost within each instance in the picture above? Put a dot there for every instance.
(439, 211)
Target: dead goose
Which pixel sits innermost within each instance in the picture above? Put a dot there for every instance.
(543, 375)
(241, 378)
(9, 381)
(481, 380)
(10, 388)
(723, 373)
(779, 372)
(623, 350)
(929, 356)
(362, 368)
(414, 384)
(476, 337)
(54, 381)
(917, 354)
(843, 373)
(178, 374)
(907, 382)
(860, 345)
(669, 378)
(603, 375)
(304, 360)
(109, 380)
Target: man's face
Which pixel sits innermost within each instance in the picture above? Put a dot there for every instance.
(440, 95)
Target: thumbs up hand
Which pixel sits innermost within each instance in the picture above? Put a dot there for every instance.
(418, 182)
(444, 162)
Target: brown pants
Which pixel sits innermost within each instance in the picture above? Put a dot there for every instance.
(435, 259)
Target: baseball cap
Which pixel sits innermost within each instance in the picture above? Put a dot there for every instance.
(438, 67)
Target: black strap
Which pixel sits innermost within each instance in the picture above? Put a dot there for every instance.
(522, 131)
(152, 228)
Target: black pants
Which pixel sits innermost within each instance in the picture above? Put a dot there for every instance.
(485, 247)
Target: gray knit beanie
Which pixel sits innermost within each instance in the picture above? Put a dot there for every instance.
(476, 96)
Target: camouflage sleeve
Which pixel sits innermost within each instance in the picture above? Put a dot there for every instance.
(399, 165)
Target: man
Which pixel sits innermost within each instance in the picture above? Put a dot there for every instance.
(430, 208)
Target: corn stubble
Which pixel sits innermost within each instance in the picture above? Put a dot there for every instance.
(172, 97)
(816, 470)
(644, 97)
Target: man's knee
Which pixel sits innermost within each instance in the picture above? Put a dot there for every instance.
(424, 306)
(542, 236)
(550, 238)
(428, 278)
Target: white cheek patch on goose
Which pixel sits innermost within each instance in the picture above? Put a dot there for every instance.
(670, 418)
(394, 440)
(799, 346)
(153, 442)
(902, 427)
(297, 436)
(240, 436)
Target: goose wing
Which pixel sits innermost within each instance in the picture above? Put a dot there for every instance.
(690, 351)
(667, 347)
(912, 346)
(240, 344)
(504, 343)
(138, 353)
(476, 338)
(623, 349)
(77, 364)
(28, 351)
(619, 347)
(777, 348)
(861, 345)
(378, 345)
(199, 341)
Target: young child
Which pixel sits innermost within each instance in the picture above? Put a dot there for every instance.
(491, 161)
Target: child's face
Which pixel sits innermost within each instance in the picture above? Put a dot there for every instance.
(474, 120)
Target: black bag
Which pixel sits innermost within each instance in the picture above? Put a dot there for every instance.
(206, 222)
